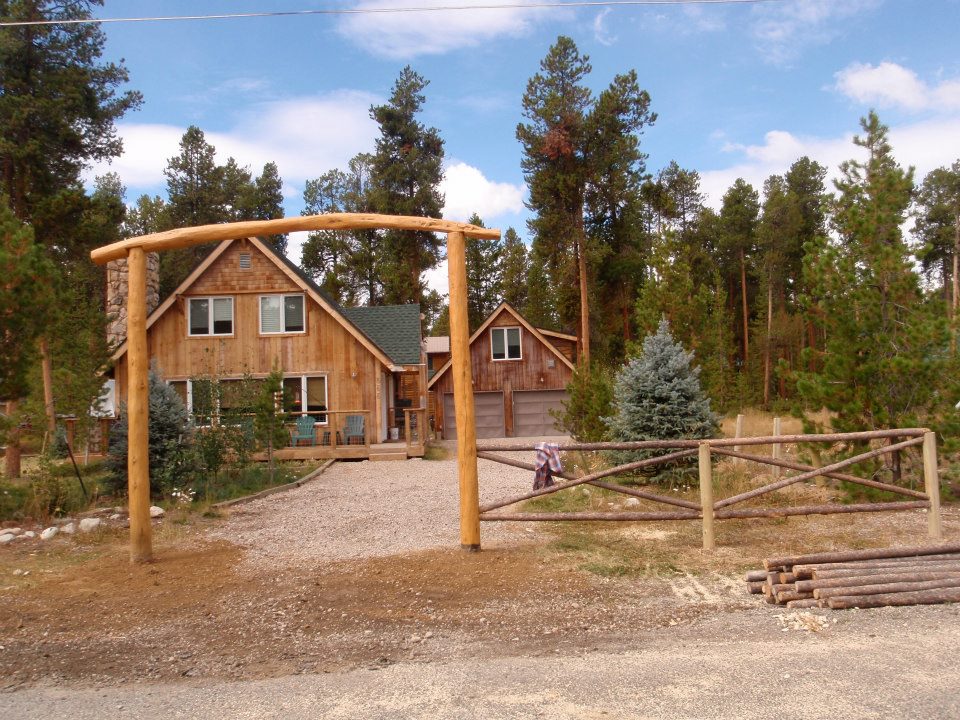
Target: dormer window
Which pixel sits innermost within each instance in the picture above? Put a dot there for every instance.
(210, 316)
(505, 343)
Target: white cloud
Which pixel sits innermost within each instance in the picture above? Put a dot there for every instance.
(892, 85)
(304, 136)
(468, 191)
(438, 279)
(601, 32)
(925, 145)
(407, 34)
(782, 30)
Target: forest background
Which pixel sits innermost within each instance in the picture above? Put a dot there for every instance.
(794, 293)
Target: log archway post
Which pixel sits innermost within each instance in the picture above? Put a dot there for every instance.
(138, 405)
(463, 393)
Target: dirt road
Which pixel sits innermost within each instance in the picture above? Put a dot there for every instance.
(348, 598)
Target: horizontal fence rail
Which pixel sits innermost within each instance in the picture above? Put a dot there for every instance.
(709, 509)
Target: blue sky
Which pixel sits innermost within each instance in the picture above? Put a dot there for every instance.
(741, 90)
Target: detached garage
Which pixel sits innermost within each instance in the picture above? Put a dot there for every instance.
(520, 374)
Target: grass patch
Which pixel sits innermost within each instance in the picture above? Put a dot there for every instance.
(436, 452)
(246, 480)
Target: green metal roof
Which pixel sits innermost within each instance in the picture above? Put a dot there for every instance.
(395, 328)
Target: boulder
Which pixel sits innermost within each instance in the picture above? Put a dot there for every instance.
(89, 524)
(29, 534)
(49, 533)
(7, 537)
(157, 512)
(70, 528)
(632, 502)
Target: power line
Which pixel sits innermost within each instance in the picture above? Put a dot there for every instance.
(377, 11)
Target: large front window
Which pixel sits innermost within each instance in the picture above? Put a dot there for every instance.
(505, 343)
(282, 314)
(307, 395)
(211, 316)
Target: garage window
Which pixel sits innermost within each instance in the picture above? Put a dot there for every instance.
(505, 343)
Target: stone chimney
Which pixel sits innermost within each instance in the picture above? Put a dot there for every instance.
(117, 296)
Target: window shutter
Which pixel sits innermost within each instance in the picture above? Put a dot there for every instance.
(271, 314)
(223, 316)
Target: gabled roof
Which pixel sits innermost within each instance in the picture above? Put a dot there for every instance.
(299, 278)
(395, 328)
(437, 344)
(506, 307)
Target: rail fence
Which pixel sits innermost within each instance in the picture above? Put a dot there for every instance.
(709, 508)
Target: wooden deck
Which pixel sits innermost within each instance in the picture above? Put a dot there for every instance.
(375, 451)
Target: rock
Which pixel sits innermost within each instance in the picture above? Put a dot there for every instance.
(157, 512)
(116, 516)
(13, 531)
(49, 533)
(632, 502)
(30, 534)
(89, 524)
(7, 537)
(70, 528)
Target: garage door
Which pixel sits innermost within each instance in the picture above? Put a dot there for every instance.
(531, 412)
(488, 411)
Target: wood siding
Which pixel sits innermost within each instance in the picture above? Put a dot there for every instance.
(512, 375)
(326, 347)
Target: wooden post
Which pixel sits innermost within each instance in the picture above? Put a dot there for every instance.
(463, 393)
(738, 433)
(777, 447)
(931, 480)
(706, 496)
(46, 365)
(138, 409)
(12, 453)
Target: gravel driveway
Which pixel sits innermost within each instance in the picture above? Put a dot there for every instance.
(368, 509)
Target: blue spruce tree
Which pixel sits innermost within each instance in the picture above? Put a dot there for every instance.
(657, 396)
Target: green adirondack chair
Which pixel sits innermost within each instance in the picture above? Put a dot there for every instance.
(353, 432)
(303, 431)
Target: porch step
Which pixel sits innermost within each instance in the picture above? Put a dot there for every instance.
(388, 456)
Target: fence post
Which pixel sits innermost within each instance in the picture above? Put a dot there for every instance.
(706, 496)
(777, 447)
(931, 480)
(738, 433)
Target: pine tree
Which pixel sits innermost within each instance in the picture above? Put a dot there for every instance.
(738, 224)
(885, 362)
(326, 253)
(266, 202)
(24, 302)
(407, 168)
(588, 405)
(169, 429)
(58, 106)
(484, 276)
(516, 267)
(657, 396)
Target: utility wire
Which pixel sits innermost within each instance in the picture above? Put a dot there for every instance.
(385, 10)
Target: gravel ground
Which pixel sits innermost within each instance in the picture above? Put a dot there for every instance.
(889, 664)
(367, 509)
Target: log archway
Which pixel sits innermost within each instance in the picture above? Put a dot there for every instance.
(136, 249)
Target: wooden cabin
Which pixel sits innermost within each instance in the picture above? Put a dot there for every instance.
(246, 310)
(520, 374)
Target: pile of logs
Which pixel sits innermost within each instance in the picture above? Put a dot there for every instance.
(926, 575)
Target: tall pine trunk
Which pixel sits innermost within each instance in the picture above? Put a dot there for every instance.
(48, 404)
(956, 286)
(766, 349)
(743, 295)
(12, 454)
(584, 302)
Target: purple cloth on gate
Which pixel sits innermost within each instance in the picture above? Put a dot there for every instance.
(547, 463)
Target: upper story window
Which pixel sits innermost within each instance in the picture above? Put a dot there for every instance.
(282, 314)
(211, 316)
(505, 343)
